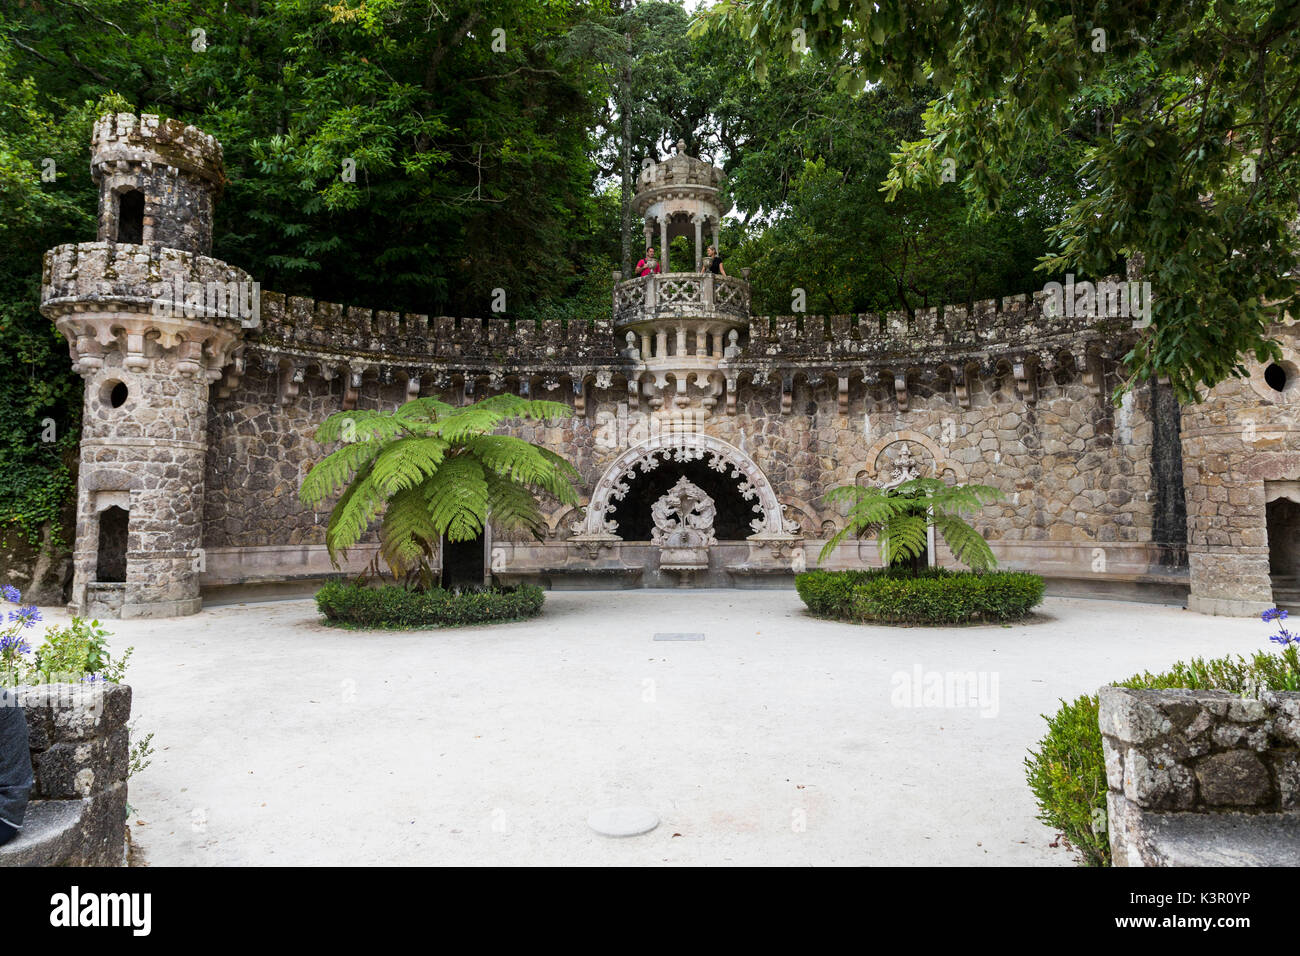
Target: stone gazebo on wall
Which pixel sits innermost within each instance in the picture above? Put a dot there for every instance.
(680, 327)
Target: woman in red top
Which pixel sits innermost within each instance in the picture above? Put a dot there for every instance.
(649, 264)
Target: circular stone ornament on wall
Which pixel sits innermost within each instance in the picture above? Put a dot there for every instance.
(1277, 382)
(114, 393)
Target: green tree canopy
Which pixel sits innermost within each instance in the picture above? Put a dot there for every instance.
(1180, 118)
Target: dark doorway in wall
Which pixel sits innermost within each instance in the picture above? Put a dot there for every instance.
(734, 512)
(463, 563)
(1282, 518)
(110, 564)
(130, 217)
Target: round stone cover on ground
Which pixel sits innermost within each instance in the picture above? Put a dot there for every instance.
(623, 821)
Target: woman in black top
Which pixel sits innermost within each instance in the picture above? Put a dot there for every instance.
(713, 263)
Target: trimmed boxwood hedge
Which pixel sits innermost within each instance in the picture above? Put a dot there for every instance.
(395, 606)
(1067, 773)
(934, 596)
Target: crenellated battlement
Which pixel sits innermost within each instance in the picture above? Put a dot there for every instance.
(1017, 321)
(131, 139)
(143, 300)
(312, 325)
(1014, 322)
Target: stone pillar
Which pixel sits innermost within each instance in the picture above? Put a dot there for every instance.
(663, 244)
(699, 240)
(649, 235)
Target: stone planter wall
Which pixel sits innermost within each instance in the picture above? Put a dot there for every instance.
(1201, 777)
(80, 756)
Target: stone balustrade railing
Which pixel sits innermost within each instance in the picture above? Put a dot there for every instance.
(680, 294)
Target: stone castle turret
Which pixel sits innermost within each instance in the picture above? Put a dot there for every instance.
(151, 322)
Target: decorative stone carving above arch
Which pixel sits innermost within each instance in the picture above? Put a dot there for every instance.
(929, 455)
(685, 446)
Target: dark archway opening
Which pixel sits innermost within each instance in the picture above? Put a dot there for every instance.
(110, 565)
(1282, 518)
(130, 217)
(463, 563)
(1275, 377)
(734, 512)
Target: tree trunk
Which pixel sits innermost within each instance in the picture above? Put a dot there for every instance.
(626, 110)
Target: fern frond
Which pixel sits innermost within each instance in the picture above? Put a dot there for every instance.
(527, 463)
(359, 426)
(334, 471)
(967, 545)
(424, 409)
(407, 536)
(357, 507)
(457, 497)
(903, 537)
(408, 461)
(512, 505)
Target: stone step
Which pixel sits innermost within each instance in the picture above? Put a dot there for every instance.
(49, 835)
(1286, 592)
(1227, 839)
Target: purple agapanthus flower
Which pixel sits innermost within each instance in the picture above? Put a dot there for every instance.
(28, 615)
(14, 642)
(11, 594)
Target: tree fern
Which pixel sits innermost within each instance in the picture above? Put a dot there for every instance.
(432, 470)
(900, 517)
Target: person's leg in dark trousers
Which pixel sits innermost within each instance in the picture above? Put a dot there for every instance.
(15, 766)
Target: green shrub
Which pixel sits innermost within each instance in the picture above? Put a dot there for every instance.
(932, 596)
(396, 606)
(829, 593)
(1068, 777)
(79, 649)
(1067, 773)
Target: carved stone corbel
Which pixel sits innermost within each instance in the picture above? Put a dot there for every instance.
(291, 379)
(352, 390)
(1025, 371)
(900, 390)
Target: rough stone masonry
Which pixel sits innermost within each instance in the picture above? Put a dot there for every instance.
(199, 414)
(80, 748)
(1202, 777)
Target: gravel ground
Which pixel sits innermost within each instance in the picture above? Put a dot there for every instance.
(779, 739)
